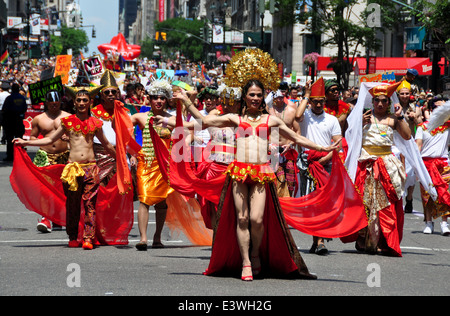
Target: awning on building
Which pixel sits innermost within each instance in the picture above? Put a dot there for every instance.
(398, 65)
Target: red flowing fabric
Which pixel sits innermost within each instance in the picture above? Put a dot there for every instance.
(433, 166)
(124, 142)
(209, 170)
(316, 169)
(344, 152)
(277, 255)
(391, 218)
(176, 168)
(334, 210)
(40, 189)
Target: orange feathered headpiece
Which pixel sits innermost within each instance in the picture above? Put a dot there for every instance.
(318, 89)
(387, 90)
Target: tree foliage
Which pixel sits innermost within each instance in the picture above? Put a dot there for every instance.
(183, 36)
(72, 38)
(433, 16)
(345, 29)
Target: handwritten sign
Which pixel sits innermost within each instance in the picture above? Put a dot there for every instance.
(62, 67)
(39, 89)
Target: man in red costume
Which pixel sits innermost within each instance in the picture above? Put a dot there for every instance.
(433, 145)
(323, 129)
(81, 175)
(334, 105)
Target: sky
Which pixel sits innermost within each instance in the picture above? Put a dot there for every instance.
(104, 14)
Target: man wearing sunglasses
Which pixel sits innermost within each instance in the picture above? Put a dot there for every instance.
(105, 112)
(58, 152)
(334, 105)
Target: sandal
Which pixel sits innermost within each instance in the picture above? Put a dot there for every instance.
(247, 278)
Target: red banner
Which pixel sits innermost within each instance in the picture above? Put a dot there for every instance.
(161, 11)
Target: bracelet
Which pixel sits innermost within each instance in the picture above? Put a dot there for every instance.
(401, 117)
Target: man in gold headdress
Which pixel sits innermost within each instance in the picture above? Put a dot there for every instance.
(105, 112)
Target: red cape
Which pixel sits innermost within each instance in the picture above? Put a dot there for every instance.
(40, 189)
(333, 211)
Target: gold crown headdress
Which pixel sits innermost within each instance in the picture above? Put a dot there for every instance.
(108, 80)
(252, 64)
(72, 91)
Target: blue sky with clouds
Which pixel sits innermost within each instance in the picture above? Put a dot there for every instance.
(104, 14)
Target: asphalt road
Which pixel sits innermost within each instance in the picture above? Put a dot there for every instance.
(32, 263)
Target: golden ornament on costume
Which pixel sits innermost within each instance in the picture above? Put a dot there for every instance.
(404, 84)
(387, 90)
(252, 64)
(72, 91)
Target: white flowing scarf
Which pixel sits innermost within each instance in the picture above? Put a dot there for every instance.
(408, 148)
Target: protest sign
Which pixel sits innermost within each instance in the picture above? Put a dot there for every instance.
(93, 68)
(39, 89)
(62, 67)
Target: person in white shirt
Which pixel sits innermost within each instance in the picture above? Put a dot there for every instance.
(433, 146)
(323, 129)
(209, 97)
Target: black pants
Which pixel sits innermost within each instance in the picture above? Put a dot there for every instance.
(12, 128)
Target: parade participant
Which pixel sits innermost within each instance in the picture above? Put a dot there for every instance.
(433, 144)
(334, 105)
(249, 200)
(323, 129)
(222, 148)
(81, 174)
(209, 99)
(57, 153)
(105, 112)
(283, 148)
(152, 188)
(413, 117)
(380, 175)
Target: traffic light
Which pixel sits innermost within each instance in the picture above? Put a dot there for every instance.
(94, 35)
(160, 36)
(202, 32)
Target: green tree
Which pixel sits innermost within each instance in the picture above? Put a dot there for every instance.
(147, 48)
(72, 38)
(336, 18)
(184, 36)
(433, 16)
